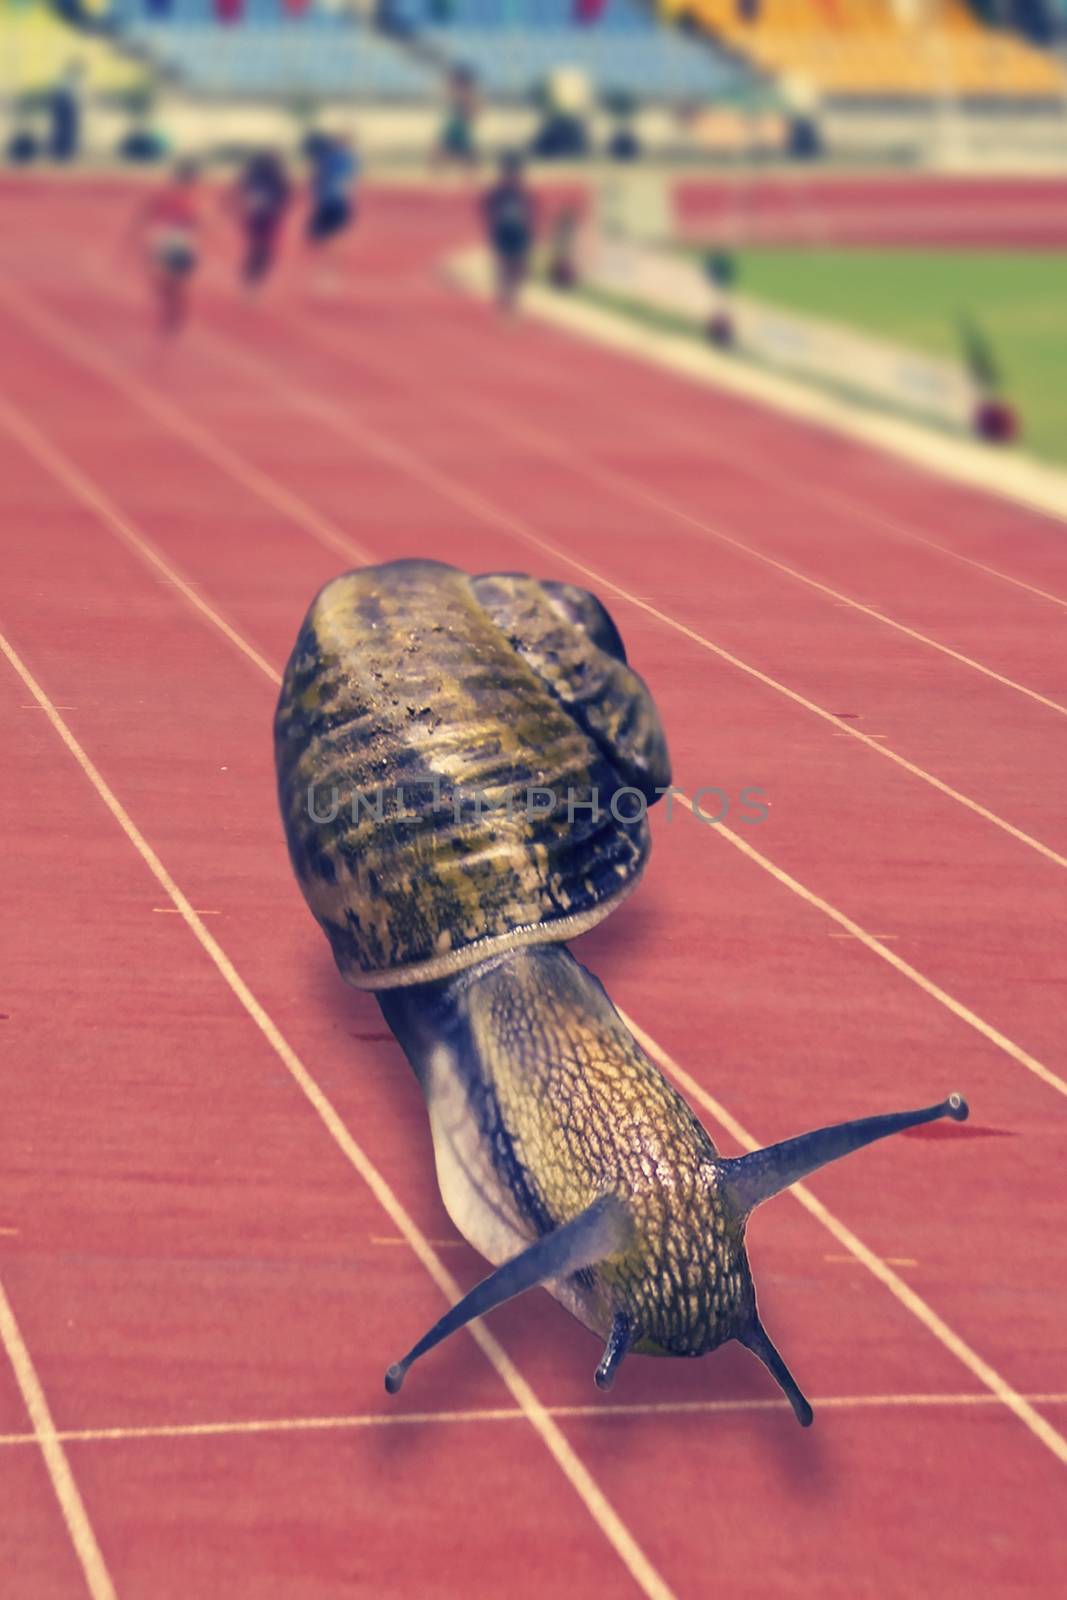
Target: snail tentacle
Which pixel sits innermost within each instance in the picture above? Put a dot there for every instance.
(620, 1339)
(754, 1338)
(749, 1180)
(601, 1230)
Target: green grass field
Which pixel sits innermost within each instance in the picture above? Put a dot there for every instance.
(916, 296)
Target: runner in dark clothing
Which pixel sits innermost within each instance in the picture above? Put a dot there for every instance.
(335, 172)
(259, 201)
(510, 216)
(456, 143)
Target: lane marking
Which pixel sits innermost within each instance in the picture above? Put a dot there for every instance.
(890, 1261)
(606, 1411)
(79, 484)
(626, 486)
(82, 487)
(986, 1375)
(450, 489)
(172, 911)
(44, 1435)
(573, 1468)
(735, 456)
(756, 467)
(875, 945)
(857, 508)
(488, 512)
(1016, 480)
(438, 1244)
(61, 336)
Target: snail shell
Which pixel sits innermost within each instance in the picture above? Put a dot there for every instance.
(416, 701)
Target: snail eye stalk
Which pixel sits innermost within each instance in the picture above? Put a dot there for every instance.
(749, 1180)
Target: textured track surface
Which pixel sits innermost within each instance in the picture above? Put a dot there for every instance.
(217, 1204)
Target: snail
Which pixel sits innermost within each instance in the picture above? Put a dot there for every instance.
(464, 767)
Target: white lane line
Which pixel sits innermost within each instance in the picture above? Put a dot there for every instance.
(573, 1468)
(438, 1244)
(890, 1261)
(171, 911)
(58, 334)
(1012, 478)
(44, 1435)
(61, 335)
(449, 488)
(980, 1369)
(602, 1512)
(82, 487)
(627, 486)
(818, 493)
(606, 1411)
(856, 508)
(914, 1302)
(79, 484)
(906, 970)
(733, 455)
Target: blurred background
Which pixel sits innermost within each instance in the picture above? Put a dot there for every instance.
(745, 150)
(688, 79)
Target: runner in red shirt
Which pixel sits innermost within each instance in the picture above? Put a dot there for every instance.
(169, 225)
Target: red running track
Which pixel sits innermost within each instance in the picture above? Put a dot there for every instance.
(217, 1184)
(883, 209)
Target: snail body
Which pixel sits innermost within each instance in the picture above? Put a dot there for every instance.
(500, 1052)
(424, 717)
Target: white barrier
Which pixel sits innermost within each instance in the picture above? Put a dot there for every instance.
(826, 352)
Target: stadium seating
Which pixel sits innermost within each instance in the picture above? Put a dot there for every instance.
(875, 49)
(849, 49)
(512, 45)
(321, 53)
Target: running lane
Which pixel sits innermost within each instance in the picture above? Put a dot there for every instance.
(168, 770)
(190, 1250)
(923, 709)
(869, 1032)
(767, 965)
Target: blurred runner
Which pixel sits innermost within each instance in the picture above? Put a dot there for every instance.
(259, 200)
(510, 216)
(66, 104)
(456, 143)
(168, 225)
(335, 169)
